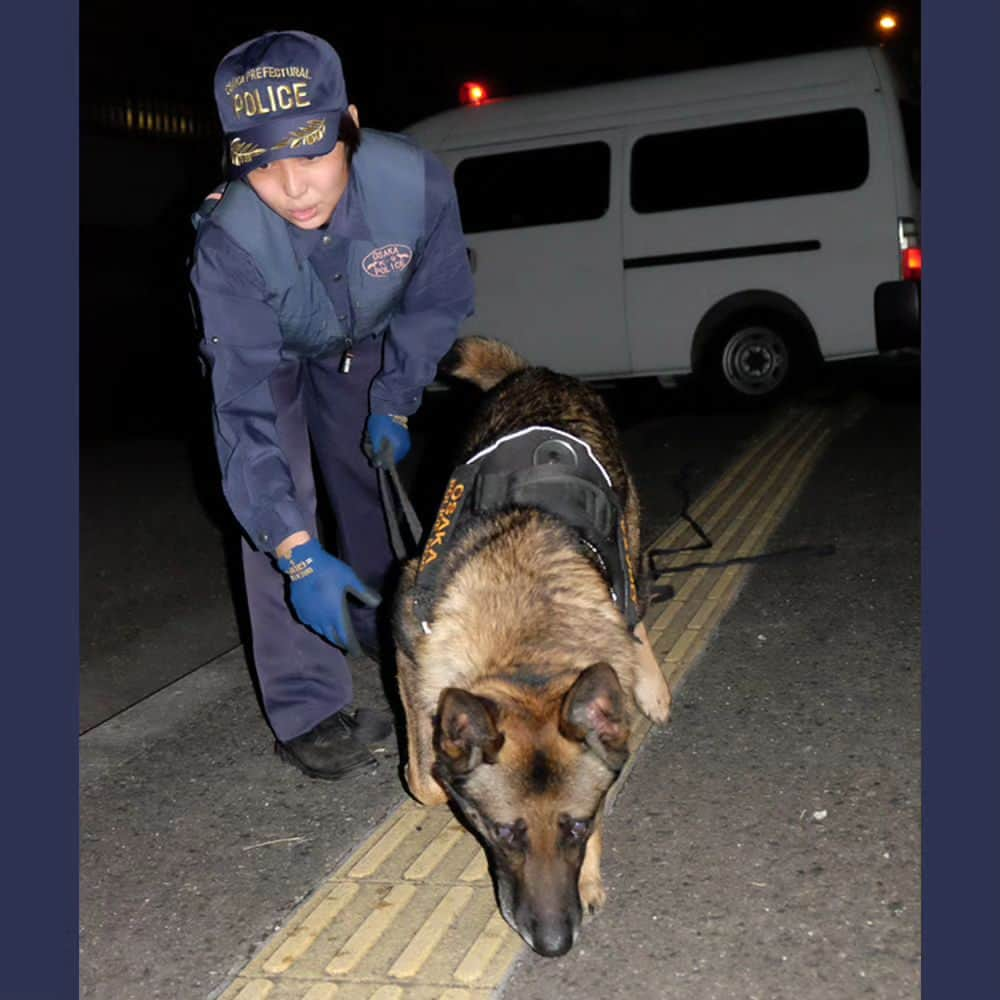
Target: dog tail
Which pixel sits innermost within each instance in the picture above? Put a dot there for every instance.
(482, 361)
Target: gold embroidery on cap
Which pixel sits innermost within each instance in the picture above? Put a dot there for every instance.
(241, 152)
(310, 133)
(272, 72)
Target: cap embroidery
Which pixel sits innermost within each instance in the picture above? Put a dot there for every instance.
(262, 72)
(241, 152)
(308, 135)
(280, 94)
(271, 100)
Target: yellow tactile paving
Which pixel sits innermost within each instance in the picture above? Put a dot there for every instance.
(369, 934)
(412, 914)
(435, 852)
(256, 989)
(481, 952)
(386, 845)
(320, 991)
(305, 934)
(418, 951)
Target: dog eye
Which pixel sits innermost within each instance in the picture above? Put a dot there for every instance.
(511, 834)
(575, 830)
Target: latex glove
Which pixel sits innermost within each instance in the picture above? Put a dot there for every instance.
(386, 431)
(318, 593)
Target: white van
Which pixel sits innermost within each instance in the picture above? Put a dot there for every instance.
(741, 222)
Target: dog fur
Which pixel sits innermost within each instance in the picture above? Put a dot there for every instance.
(520, 700)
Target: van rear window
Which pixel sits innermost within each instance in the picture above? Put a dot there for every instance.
(534, 187)
(750, 161)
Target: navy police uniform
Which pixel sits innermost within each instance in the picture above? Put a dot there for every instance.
(307, 332)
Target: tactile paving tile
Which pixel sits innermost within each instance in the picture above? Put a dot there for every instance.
(412, 914)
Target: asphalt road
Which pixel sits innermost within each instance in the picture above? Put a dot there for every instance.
(766, 843)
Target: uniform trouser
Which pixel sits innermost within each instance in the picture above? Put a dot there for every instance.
(303, 678)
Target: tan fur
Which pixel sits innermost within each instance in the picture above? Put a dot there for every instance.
(486, 362)
(509, 701)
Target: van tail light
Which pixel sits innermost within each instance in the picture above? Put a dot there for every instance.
(911, 257)
(913, 263)
(472, 92)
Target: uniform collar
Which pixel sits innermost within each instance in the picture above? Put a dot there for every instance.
(347, 222)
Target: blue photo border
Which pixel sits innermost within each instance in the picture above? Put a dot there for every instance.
(41, 652)
(961, 499)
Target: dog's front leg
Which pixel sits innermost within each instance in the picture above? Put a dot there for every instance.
(651, 690)
(419, 738)
(420, 741)
(592, 894)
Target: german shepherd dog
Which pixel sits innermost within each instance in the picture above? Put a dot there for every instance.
(521, 689)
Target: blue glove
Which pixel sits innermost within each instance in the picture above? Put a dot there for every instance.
(318, 593)
(385, 431)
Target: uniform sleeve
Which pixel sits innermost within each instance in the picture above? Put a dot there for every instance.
(436, 301)
(242, 343)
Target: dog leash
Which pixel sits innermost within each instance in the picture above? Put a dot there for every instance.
(399, 510)
(397, 506)
(682, 486)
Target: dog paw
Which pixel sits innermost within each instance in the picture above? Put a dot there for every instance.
(592, 894)
(653, 698)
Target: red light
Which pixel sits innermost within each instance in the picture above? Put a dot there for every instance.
(472, 93)
(913, 264)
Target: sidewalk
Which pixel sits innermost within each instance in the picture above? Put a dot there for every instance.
(196, 840)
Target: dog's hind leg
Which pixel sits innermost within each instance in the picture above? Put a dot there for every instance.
(419, 738)
(651, 691)
(592, 894)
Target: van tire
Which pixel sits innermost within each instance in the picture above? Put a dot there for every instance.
(755, 360)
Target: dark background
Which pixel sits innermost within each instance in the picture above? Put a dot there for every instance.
(138, 361)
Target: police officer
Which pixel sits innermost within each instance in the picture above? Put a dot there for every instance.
(331, 275)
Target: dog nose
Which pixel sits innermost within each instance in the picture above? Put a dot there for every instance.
(551, 938)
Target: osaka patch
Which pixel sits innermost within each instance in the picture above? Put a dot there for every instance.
(385, 261)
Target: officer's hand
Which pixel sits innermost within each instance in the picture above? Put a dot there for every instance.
(318, 593)
(387, 433)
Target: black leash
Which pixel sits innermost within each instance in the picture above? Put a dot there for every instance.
(681, 485)
(397, 507)
(399, 510)
(665, 591)
(794, 550)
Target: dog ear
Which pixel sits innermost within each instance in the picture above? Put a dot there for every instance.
(593, 711)
(467, 733)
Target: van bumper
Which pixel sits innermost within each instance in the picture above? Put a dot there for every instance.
(897, 315)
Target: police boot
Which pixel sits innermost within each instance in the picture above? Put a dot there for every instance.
(333, 748)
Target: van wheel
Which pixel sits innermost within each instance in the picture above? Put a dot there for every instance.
(752, 362)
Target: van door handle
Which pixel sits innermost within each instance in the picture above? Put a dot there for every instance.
(471, 254)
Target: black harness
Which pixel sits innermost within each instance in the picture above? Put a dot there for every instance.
(545, 469)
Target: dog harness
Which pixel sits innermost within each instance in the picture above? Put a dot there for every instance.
(545, 469)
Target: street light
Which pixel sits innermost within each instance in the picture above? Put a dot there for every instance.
(888, 22)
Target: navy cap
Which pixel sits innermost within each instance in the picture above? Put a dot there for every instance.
(279, 95)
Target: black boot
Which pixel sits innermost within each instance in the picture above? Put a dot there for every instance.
(372, 726)
(330, 750)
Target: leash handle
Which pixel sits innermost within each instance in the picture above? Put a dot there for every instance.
(397, 506)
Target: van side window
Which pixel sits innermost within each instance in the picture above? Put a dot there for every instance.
(750, 161)
(534, 187)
